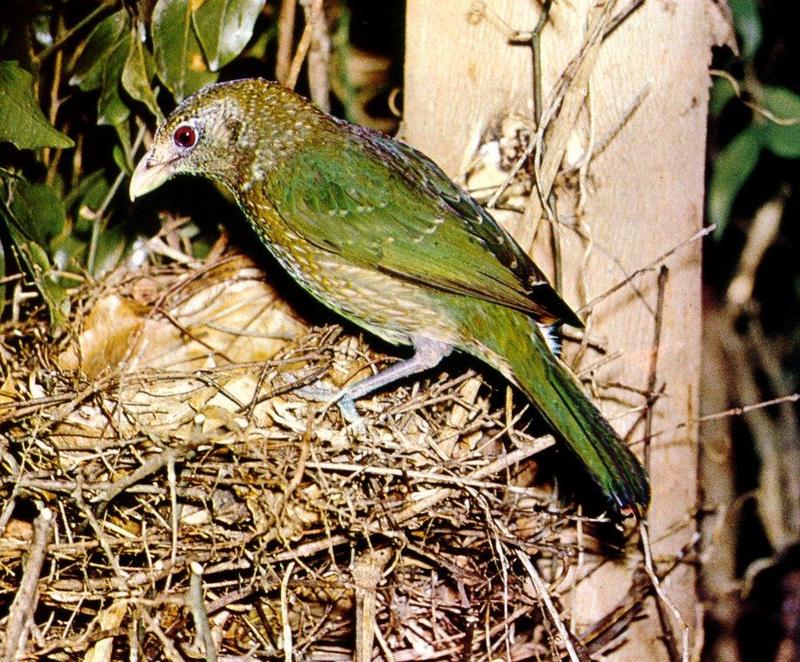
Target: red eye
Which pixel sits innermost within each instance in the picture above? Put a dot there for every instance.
(185, 136)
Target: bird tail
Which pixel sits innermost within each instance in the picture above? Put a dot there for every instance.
(513, 344)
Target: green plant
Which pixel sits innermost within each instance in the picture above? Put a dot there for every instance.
(99, 73)
(774, 123)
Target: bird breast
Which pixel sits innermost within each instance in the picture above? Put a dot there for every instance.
(388, 306)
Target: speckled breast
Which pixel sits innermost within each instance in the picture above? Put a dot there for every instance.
(389, 307)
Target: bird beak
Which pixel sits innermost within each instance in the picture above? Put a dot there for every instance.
(149, 176)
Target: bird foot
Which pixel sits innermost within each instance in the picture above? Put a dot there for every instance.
(321, 393)
(318, 392)
(348, 410)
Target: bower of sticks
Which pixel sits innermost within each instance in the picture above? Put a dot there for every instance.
(171, 492)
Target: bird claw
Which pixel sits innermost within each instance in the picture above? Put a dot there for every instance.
(358, 429)
(347, 408)
(320, 393)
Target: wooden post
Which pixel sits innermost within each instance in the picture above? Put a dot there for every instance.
(643, 195)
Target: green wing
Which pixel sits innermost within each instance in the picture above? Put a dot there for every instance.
(380, 203)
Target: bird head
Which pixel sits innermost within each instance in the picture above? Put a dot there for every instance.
(223, 132)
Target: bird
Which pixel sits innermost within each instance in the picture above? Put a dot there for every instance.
(376, 231)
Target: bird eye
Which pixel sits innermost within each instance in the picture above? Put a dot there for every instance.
(185, 136)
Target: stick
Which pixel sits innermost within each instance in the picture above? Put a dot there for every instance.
(20, 617)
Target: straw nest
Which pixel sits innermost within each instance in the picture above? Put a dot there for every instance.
(170, 493)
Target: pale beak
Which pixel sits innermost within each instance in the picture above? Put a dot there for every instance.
(148, 177)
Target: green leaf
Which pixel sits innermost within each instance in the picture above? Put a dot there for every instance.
(41, 270)
(201, 247)
(93, 59)
(782, 139)
(23, 223)
(258, 48)
(83, 202)
(21, 120)
(224, 27)
(89, 192)
(137, 75)
(731, 169)
(42, 29)
(179, 59)
(38, 211)
(111, 107)
(123, 150)
(120, 159)
(111, 247)
(747, 20)
(69, 253)
(721, 93)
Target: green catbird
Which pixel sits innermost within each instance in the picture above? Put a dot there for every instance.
(377, 232)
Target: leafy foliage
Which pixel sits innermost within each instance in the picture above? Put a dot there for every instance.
(224, 27)
(21, 120)
(774, 124)
(94, 67)
(753, 330)
(177, 50)
(748, 25)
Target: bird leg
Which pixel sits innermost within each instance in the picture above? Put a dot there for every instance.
(427, 354)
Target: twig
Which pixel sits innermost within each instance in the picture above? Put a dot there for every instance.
(735, 411)
(762, 233)
(651, 573)
(424, 477)
(652, 378)
(98, 221)
(62, 39)
(367, 574)
(304, 45)
(109, 621)
(550, 205)
(52, 164)
(621, 16)
(608, 137)
(319, 54)
(534, 40)
(20, 616)
(170, 652)
(544, 596)
(604, 631)
(147, 469)
(756, 108)
(300, 467)
(507, 460)
(566, 102)
(11, 503)
(286, 20)
(647, 268)
(287, 627)
(197, 606)
(174, 519)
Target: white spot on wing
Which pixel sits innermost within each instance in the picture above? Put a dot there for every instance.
(550, 338)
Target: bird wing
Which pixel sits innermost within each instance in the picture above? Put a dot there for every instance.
(380, 203)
